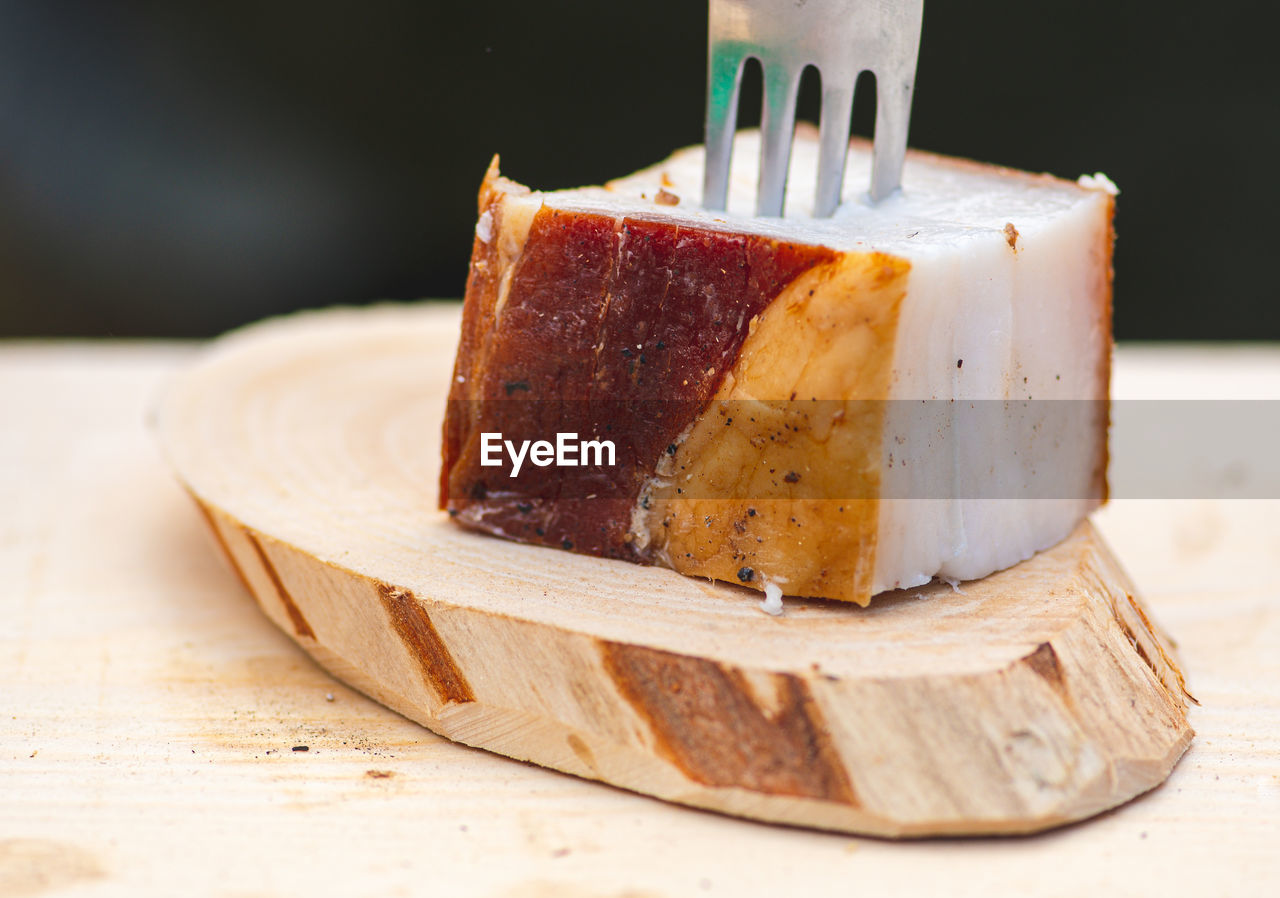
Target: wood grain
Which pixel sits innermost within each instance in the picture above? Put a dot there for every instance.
(149, 709)
(1036, 697)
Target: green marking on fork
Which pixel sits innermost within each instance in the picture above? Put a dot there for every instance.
(726, 58)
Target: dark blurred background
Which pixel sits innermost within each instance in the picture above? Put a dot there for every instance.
(171, 168)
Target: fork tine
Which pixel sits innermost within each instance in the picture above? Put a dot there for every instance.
(895, 82)
(777, 127)
(836, 117)
(724, 78)
(893, 113)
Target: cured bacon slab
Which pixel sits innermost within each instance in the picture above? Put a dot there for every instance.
(824, 408)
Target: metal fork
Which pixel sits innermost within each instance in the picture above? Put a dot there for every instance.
(841, 38)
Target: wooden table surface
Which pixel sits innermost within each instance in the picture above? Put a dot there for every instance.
(152, 720)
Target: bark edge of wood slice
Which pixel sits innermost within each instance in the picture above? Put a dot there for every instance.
(1038, 696)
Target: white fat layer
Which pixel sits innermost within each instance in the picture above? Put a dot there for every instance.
(943, 202)
(1099, 181)
(993, 321)
(772, 603)
(484, 227)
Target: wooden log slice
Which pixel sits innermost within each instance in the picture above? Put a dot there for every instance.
(1035, 697)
